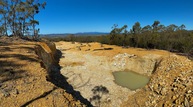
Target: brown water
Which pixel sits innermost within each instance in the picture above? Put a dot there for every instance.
(130, 79)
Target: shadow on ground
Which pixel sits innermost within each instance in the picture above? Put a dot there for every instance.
(10, 70)
(39, 97)
(10, 66)
(60, 81)
(7, 71)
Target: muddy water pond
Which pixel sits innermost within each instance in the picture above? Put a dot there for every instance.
(130, 79)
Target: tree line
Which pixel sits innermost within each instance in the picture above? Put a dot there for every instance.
(17, 17)
(156, 36)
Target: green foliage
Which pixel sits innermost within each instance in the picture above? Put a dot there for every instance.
(117, 34)
(18, 17)
(172, 38)
(155, 25)
(136, 29)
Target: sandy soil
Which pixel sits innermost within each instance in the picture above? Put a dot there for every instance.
(23, 81)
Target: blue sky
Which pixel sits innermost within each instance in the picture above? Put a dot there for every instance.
(72, 16)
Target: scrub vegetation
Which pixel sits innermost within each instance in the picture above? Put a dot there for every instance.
(156, 36)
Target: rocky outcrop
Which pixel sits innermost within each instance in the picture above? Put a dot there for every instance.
(143, 65)
(174, 79)
(170, 86)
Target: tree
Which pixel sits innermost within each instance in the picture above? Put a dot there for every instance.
(18, 16)
(182, 27)
(172, 28)
(116, 34)
(136, 29)
(4, 13)
(22, 16)
(161, 28)
(34, 8)
(155, 25)
(147, 28)
(13, 16)
(125, 34)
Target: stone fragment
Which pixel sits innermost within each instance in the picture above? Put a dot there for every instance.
(5, 93)
(15, 92)
(163, 91)
(186, 103)
(189, 91)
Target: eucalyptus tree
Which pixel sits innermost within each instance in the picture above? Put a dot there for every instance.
(125, 34)
(146, 28)
(18, 16)
(33, 9)
(113, 33)
(116, 34)
(172, 28)
(13, 16)
(155, 26)
(4, 15)
(182, 27)
(22, 16)
(161, 28)
(136, 29)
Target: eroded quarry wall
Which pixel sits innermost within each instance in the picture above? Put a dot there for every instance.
(23, 81)
(48, 54)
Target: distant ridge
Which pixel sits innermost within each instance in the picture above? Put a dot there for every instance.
(76, 34)
(92, 33)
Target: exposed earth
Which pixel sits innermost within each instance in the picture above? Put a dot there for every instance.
(24, 82)
(89, 65)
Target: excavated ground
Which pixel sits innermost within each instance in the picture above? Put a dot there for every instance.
(90, 65)
(23, 81)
